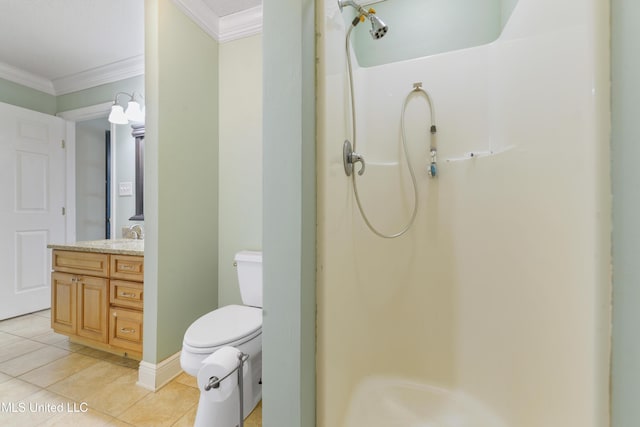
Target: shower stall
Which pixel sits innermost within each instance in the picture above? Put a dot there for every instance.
(493, 309)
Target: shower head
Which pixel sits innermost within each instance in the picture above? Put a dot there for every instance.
(378, 28)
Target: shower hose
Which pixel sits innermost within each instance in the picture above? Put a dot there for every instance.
(408, 225)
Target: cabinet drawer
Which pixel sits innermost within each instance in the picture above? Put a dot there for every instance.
(127, 267)
(81, 263)
(126, 294)
(125, 329)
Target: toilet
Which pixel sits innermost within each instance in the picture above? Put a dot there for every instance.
(238, 326)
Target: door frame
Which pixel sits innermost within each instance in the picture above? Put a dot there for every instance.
(78, 115)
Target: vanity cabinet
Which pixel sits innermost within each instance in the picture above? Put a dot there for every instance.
(97, 300)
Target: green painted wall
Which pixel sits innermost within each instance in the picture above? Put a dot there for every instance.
(22, 96)
(181, 168)
(626, 211)
(99, 94)
(289, 221)
(25, 97)
(426, 27)
(507, 10)
(151, 190)
(240, 158)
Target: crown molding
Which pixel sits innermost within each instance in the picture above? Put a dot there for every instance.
(120, 70)
(223, 29)
(202, 15)
(87, 113)
(25, 78)
(242, 24)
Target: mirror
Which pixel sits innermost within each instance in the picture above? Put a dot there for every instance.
(93, 179)
(111, 185)
(138, 134)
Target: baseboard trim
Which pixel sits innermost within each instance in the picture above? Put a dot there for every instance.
(154, 376)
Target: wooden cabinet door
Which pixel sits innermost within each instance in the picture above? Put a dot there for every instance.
(93, 300)
(63, 303)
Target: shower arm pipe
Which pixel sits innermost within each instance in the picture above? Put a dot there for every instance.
(361, 10)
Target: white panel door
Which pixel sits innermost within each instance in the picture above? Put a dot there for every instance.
(32, 198)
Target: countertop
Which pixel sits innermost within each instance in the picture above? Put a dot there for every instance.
(114, 246)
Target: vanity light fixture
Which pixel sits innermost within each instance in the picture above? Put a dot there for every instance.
(133, 113)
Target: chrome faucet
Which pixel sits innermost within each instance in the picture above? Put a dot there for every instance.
(137, 231)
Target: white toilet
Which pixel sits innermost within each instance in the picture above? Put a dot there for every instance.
(238, 326)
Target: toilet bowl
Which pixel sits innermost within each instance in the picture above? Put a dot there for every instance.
(238, 326)
(233, 325)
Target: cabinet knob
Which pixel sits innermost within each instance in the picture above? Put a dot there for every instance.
(128, 294)
(127, 330)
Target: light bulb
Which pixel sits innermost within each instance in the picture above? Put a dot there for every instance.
(134, 113)
(117, 115)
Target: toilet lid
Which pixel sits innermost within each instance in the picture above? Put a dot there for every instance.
(224, 325)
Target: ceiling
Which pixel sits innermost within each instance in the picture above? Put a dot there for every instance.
(55, 40)
(228, 7)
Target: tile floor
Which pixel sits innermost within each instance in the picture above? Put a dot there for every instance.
(45, 380)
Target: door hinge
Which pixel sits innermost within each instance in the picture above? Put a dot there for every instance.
(63, 144)
(64, 211)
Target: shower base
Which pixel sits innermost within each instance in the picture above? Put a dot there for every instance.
(380, 401)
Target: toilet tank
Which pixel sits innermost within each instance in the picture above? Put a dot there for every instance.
(249, 266)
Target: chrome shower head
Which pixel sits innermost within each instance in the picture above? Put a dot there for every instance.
(378, 28)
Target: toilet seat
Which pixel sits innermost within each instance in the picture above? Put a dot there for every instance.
(229, 325)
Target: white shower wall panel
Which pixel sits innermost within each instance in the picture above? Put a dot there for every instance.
(501, 287)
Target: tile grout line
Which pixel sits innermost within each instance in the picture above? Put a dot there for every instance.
(96, 356)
